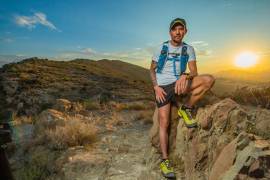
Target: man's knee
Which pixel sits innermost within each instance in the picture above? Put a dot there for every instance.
(209, 81)
(163, 121)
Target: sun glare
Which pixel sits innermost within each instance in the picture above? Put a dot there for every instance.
(246, 59)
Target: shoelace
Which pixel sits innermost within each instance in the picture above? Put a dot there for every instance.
(168, 164)
(189, 112)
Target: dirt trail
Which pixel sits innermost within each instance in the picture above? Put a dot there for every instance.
(118, 155)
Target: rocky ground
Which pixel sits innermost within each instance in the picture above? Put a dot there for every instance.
(119, 155)
(232, 142)
(119, 149)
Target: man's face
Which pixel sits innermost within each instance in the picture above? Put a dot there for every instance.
(177, 33)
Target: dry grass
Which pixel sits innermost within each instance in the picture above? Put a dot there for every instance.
(24, 76)
(50, 140)
(90, 104)
(253, 96)
(116, 119)
(17, 120)
(146, 116)
(139, 105)
(38, 165)
(72, 133)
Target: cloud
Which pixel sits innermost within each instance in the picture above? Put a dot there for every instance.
(30, 22)
(11, 39)
(199, 43)
(263, 53)
(228, 4)
(139, 56)
(6, 40)
(5, 59)
(201, 48)
(203, 52)
(88, 51)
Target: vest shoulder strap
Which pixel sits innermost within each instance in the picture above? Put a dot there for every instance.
(184, 49)
(163, 56)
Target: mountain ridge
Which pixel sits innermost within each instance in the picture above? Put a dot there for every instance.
(41, 81)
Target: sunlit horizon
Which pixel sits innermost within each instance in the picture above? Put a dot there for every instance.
(131, 31)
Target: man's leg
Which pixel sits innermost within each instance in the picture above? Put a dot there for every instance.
(164, 116)
(200, 85)
(164, 120)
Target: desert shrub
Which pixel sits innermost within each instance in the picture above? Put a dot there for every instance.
(130, 106)
(116, 119)
(146, 116)
(105, 97)
(24, 76)
(66, 78)
(72, 133)
(253, 96)
(90, 104)
(16, 120)
(38, 165)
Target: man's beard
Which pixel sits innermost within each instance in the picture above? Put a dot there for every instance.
(178, 40)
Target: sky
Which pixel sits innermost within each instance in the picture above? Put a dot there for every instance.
(131, 30)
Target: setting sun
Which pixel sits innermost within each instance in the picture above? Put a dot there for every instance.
(246, 59)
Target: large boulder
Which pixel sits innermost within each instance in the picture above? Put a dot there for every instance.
(226, 145)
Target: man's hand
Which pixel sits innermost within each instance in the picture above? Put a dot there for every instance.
(181, 85)
(160, 94)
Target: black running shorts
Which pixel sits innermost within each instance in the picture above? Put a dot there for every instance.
(171, 96)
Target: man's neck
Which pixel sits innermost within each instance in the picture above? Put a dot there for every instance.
(173, 43)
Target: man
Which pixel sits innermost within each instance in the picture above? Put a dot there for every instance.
(170, 79)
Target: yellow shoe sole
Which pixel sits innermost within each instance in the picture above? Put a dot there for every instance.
(188, 123)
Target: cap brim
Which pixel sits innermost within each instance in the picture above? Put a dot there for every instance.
(178, 22)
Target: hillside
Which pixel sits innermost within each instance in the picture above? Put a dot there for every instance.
(29, 86)
(229, 81)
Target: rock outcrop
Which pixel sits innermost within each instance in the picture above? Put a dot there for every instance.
(230, 143)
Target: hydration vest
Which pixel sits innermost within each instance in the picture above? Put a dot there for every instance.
(163, 58)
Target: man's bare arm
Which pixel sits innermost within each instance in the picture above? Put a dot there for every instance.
(182, 83)
(153, 73)
(159, 91)
(192, 68)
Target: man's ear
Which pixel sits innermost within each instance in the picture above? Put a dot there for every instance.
(186, 31)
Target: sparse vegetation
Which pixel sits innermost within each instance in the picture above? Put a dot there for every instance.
(50, 140)
(146, 116)
(77, 79)
(73, 133)
(139, 105)
(17, 120)
(38, 165)
(253, 96)
(24, 76)
(117, 91)
(91, 104)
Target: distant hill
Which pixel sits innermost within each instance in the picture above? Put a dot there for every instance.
(245, 75)
(6, 59)
(230, 80)
(33, 84)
